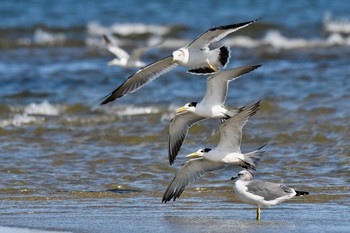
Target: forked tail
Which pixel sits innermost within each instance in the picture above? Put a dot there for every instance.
(252, 158)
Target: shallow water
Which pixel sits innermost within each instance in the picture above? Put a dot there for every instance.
(69, 164)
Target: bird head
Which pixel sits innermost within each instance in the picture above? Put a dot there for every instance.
(245, 175)
(190, 107)
(199, 152)
(180, 56)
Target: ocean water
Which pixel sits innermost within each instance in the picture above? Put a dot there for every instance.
(71, 165)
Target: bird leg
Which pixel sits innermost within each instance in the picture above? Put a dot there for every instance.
(258, 214)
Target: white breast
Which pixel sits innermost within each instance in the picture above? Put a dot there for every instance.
(233, 158)
(210, 110)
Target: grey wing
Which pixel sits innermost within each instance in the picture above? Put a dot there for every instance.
(217, 84)
(141, 78)
(178, 129)
(269, 191)
(231, 129)
(217, 33)
(216, 90)
(187, 174)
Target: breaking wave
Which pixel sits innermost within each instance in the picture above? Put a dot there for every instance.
(337, 34)
(44, 108)
(340, 25)
(43, 37)
(44, 112)
(133, 110)
(126, 29)
(275, 39)
(30, 114)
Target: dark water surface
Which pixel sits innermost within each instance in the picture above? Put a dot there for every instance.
(69, 164)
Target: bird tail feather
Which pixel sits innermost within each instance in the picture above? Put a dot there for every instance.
(252, 158)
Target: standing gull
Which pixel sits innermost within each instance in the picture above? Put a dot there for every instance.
(211, 106)
(196, 56)
(227, 152)
(262, 193)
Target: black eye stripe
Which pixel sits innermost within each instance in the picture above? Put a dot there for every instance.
(192, 104)
(207, 150)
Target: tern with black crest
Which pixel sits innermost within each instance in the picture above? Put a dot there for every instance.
(227, 152)
(211, 106)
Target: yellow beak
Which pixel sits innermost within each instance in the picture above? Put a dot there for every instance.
(181, 109)
(110, 63)
(195, 154)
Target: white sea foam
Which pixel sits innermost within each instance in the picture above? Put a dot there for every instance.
(133, 110)
(96, 30)
(129, 29)
(47, 38)
(275, 39)
(340, 25)
(338, 36)
(44, 108)
(30, 114)
(19, 120)
(337, 39)
(125, 29)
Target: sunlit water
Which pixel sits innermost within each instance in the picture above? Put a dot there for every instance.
(69, 164)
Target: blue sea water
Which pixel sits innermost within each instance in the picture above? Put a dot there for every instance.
(69, 164)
